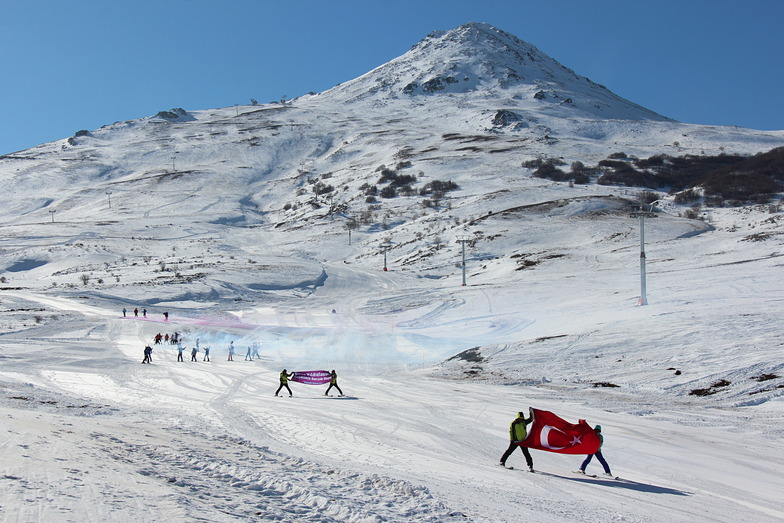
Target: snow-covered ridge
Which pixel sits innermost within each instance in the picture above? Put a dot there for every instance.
(481, 60)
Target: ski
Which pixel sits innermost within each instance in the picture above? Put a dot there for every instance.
(509, 467)
(596, 476)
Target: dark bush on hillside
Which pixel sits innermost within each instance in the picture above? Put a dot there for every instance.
(628, 176)
(581, 178)
(172, 114)
(322, 188)
(396, 180)
(617, 156)
(438, 188)
(551, 172)
(752, 187)
(387, 175)
(687, 196)
(648, 196)
(368, 190)
(615, 164)
(725, 178)
(650, 163)
(388, 192)
(538, 162)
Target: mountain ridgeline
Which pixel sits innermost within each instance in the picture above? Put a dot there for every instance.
(467, 124)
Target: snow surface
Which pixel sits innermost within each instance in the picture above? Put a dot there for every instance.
(191, 217)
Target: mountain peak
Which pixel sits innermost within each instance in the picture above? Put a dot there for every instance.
(477, 60)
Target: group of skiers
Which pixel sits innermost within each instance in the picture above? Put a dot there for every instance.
(518, 432)
(285, 377)
(172, 339)
(252, 353)
(144, 313)
(135, 312)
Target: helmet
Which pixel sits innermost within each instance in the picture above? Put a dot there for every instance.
(598, 428)
(520, 415)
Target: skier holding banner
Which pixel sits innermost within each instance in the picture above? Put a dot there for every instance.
(284, 382)
(517, 433)
(598, 454)
(333, 383)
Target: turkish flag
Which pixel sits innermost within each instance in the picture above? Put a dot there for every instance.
(550, 433)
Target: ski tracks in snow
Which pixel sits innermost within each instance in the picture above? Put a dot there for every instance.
(225, 479)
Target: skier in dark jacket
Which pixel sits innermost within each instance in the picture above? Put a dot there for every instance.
(598, 454)
(284, 382)
(333, 383)
(517, 433)
(147, 354)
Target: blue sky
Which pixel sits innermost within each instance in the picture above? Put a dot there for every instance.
(81, 64)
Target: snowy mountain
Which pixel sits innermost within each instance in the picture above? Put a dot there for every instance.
(330, 229)
(479, 62)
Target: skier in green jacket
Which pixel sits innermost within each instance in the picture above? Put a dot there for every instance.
(333, 383)
(284, 381)
(517, 433)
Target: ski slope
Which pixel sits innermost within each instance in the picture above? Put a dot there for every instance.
(213, 217)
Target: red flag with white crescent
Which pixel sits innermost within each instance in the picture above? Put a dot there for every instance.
(550, 433)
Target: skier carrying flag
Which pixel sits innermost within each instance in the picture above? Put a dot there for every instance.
(517, 433)
(284, 382)
(598, 454)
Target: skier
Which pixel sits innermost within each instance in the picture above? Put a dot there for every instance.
(124, 311)
(147, 354)
(144, 312)
(206, 354)
(180, 348)
(255, 350)
(598, 454)
(231, 351)
(248, 355)
(166, 316)
(136, 312)
(284, 382)
(334, 383)
(517, 433)
(194, 351)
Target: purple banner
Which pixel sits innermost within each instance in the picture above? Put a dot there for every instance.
(312, 377)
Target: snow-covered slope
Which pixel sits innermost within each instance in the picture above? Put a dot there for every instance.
(254, 224)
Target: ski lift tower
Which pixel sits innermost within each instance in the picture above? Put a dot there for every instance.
(351, 224)
(462, 239)
(385, 247)
(638, 211)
